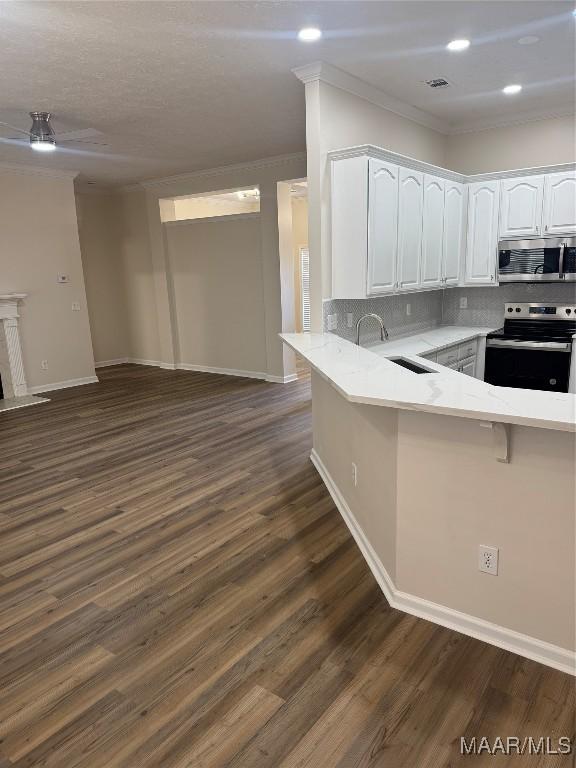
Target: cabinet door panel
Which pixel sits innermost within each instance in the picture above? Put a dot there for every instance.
(349, 230)
(468, 367)
(454, 229)
(560, 203)
(432, 232)
(521, 207)
(382, 226)
(410, 228)
(482, 243)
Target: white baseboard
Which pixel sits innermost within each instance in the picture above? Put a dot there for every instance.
(153, 363)
(224, 371)
(199, 369)
(282, 379)
(107, 363)
(62, 385)
(516, 642)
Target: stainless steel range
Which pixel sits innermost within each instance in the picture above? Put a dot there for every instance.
(534, 348)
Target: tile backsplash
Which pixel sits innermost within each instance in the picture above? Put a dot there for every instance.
(425, 312)
(486, 305)
(442, 307)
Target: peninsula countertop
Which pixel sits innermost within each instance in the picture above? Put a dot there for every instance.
(363, 375)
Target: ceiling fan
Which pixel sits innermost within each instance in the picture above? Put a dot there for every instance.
(43, 138)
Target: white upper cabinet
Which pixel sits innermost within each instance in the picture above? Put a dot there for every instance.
(382, 226)
(410, 204)
(396, 228)
(349, 227)
(521, 207)
(454, 241)
(482, 241)
(432, 232)
(560, 204)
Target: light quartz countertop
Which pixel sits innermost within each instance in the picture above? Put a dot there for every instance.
(366, 376)
(429, 341)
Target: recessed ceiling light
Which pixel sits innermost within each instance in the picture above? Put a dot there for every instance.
(458, 45)
(309, 34)
(510, 90)
(529, 40)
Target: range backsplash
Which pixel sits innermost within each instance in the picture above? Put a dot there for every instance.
(486, 305)
(431, 308)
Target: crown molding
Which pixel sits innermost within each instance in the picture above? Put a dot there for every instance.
(267, 162)
(369, 150)
(487, 125)
(35, 170)
(338, 78)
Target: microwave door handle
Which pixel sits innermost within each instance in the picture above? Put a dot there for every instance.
(561, 263)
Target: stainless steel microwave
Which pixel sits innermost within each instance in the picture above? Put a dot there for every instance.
(546, 260)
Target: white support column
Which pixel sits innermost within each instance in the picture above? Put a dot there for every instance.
(15, 357)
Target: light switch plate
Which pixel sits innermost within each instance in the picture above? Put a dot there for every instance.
(63, 278)
(463, 302)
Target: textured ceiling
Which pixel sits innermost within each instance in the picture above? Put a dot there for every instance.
(175, 87)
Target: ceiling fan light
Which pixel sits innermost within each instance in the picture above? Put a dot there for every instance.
(42, 144)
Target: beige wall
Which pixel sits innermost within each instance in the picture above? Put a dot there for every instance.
(366, 435)
(119, 275)
(299, 240)
(38, 241)
(527, 145)
(463, 497)
(337, 119)
(265, 175)
(216, 268)
(430, 491)
(99, 226)
(139, 278)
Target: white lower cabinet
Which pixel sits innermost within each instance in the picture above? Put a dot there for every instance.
(460, 357)
(468, 366)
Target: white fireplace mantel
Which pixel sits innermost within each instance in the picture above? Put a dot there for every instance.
(11, 349)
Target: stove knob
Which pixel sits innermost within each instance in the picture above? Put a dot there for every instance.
(518, 309)
(510, 309)
(568, 311)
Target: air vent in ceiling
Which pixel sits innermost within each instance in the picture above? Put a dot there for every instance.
(438, 82)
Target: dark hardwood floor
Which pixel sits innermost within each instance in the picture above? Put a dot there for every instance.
(177, 589)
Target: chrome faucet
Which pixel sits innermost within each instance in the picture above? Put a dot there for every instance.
(383, 331)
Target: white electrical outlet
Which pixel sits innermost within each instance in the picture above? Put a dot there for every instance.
(463, 302)
(488, 559)
(354, 474)
(408, 309)
(75, 306)
(332, 322)
(44, 365)
(349, 320)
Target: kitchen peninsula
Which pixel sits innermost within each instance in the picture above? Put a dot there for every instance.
(426, 467)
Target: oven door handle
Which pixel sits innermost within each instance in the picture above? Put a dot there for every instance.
(556, 346)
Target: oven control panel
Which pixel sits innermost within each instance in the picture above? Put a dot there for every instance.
(531, 311)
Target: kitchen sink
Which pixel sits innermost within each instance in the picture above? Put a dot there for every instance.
(410, 365)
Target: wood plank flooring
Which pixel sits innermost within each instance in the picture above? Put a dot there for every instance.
(178, 590)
